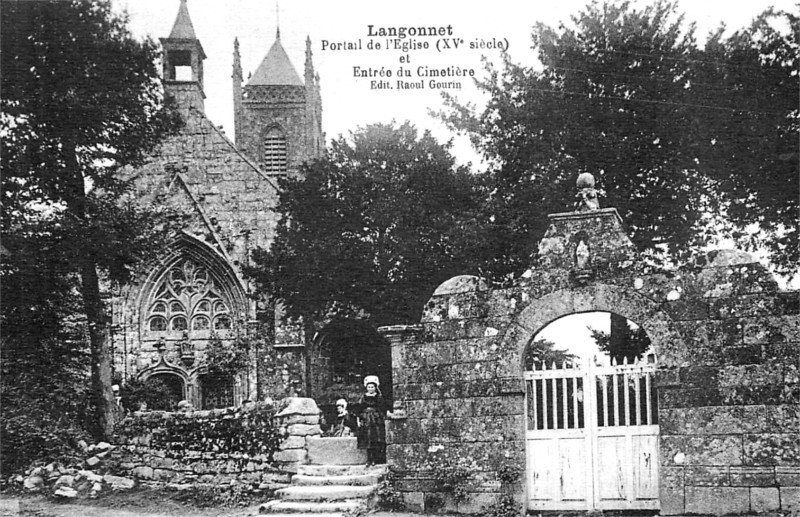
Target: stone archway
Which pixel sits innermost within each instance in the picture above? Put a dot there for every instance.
(666, 342)
(665, 338)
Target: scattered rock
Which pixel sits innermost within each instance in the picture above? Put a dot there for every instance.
(118, 482)
(33, 483)
(89, 476)
(66, 491)
(83, 445)
(93, 461)
(65, 480)
(103, 446)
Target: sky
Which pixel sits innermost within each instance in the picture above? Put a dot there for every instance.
(350, 102)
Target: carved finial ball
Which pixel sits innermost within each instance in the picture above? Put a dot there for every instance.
(585, 180)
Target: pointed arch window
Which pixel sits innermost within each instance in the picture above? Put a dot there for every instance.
(188, 299)
(275, 152)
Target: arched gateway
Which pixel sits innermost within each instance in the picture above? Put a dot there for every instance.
(710, 427)
(591, 426)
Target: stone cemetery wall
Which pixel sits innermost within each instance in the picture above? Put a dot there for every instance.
(257, 445)
(728, 348)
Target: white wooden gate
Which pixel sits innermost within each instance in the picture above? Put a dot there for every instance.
(592, 437)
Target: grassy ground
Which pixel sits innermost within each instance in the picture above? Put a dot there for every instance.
(133, 503)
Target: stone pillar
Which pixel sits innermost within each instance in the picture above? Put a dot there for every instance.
(399, 336)
(297, 421)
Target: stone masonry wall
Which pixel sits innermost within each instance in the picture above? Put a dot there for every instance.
(728, 345)
(259, 446)
(148, 451)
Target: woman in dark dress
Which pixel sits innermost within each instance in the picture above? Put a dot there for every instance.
(371, 420)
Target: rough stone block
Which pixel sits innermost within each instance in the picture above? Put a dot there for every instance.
(741, 355)
(788, 476)
(702, 450)
(414, 501)
(790, 498)
(335, 451)
(439, 502)
(118, 482)
(753, 476)
(665, 378)
(299, 406)
(713, 420)
(772, 329)
(671, 490)
(304, 430)
(764, 499)
(772, 449)
(476, 503)
(300, 419)
(163, 474)
(293, 442)
(707, 476)
(291, 455)
(427, 354)
(687, 309)
(717, 500)
(751, 384)
(143, 472)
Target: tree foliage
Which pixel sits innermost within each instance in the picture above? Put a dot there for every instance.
(44, 359)
(684, 141)
(372, 229)
(544, 351)
(81, 99)
(625, 340)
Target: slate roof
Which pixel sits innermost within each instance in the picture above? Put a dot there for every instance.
(276, 69)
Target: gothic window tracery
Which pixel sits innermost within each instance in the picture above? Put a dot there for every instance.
(187, 299)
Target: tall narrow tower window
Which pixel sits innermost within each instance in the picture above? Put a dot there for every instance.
(275, 152)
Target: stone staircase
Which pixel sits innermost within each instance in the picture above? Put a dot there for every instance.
(325, 490)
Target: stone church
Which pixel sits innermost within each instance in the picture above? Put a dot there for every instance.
(196, 295)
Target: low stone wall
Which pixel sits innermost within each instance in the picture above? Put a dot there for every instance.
(220, 447)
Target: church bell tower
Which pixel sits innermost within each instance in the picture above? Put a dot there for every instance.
(183, 63)
(278, 116)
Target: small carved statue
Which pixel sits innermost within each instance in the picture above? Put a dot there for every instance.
(588, 196)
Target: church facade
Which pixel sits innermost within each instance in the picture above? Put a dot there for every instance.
(196, 297)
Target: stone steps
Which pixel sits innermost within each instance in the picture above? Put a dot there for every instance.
(315, 509)
(324, 490)
(340, 470)
(350, 479)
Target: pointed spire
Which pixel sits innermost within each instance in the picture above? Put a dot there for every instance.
(275, 69)
(183, 28)
(237, 60)
(277, 21)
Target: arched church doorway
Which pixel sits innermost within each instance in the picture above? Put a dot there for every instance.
(592, 415)
(170, 388)
(346, 351)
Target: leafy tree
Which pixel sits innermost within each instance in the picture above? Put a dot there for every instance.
(624, 340)
(627, 95)
(81, 99)
(371, 229)
(43, 357)
(544, 351)
(751, 143)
